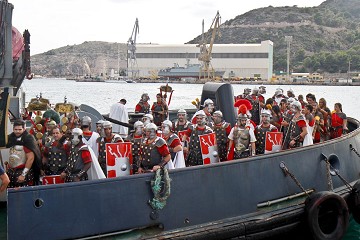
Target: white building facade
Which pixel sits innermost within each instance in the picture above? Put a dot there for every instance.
(237, 60)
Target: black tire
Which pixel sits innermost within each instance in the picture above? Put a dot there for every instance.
(353, 201)
(327, 215)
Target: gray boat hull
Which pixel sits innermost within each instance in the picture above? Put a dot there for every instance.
(199, 195)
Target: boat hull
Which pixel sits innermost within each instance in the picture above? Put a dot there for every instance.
(199, 195)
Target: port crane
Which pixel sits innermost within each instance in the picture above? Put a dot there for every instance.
(207, 70)
(131, 46)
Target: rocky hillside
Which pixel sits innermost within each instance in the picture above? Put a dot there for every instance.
(325, 39)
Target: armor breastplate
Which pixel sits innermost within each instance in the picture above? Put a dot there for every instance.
(102, 149)
(294, 128)
(241, 139)
(150, 154)
(57, 159)
(17, 156)
(181, 127)
(260, 135)
(135, 147)
(75, 162)
(144, 108)
(221, 139)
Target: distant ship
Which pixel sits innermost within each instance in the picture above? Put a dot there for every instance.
(189, 71)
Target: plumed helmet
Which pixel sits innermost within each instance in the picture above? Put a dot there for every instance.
(218, 113)
(107, 124)
(138, 124)
(99, 122)
(207, 102)
(290, 100)
(149, 116)
(167, 123)
(296, 104)
(182, 111)
(242, 116)
(77, 132)
(151, 126)
(86, 121)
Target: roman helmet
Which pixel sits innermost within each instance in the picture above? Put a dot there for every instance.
(166, 126)
(147, 118)
(240, 118)
(138, 127)
(51, 124)
(262, 89)
(200, 117)
(290, 100)
(247, 91)
(255, 91)
(295, 106)
(145, 97)
(217, 116)
(182, 111)
(77, 134)
(266, 113)
(107, 124)
(151, 128)
(209, 104)
(278, 92)
(86, 121)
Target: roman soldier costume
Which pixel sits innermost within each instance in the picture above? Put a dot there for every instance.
(102, 149)
(194, 131)
(56, 158)
(260, 134)
(337, 123)
(19, 146)
(78, 157)
(222, 130)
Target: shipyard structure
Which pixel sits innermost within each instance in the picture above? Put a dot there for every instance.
(234, 61)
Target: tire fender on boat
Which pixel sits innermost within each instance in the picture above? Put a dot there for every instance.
(327, 215)
(353, 201)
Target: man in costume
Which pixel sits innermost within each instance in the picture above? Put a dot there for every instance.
(108, 137)
(182, 123)
(222, 130)
(147, 118)
(136, 137)
(297, 129)
(255, 103)
(143, 106)
(208, 110)
(194, 131)
(79, 160)
(159, 110)
(119, 112)
(154, 151)
(262, 129)
(23, 167)
(241, 139)
(89, 137)
(174, 144)
(55, 154)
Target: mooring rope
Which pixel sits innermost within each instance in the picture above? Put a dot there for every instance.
(328, 175)
(161, 194)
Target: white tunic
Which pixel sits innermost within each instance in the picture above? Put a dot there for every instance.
(119, 112)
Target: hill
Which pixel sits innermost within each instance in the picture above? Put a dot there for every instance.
(325, 39)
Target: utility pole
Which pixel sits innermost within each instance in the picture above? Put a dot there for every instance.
(288, 40)
(348, 75)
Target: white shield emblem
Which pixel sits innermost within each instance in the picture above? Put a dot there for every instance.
(118, 159)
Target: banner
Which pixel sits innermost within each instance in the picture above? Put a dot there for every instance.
(118, 159)
(209, 148)
(273, 142)
(4, 117)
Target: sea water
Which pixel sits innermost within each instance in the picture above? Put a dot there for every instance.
(101, 95)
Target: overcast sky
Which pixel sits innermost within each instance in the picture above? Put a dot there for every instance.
(57, 23)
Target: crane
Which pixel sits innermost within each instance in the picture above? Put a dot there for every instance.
(131, 45)
(206, 70)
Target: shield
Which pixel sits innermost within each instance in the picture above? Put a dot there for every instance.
(118, 159)
(181, 134)
(209, 149)
(273, 142)
(52, 179)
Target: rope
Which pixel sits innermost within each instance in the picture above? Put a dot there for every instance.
(287, 172)
(354, 150)
(161, 194)
(328, 175)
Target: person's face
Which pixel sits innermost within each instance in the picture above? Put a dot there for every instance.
(242, 122)
(336, 107)
(107, 132)
(321, 103)
(181, 117)
(57, 134)
(309, 100)
(18, 130)
(200, 120)
(158, 99)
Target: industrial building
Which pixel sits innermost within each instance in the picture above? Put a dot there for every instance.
(237, 60)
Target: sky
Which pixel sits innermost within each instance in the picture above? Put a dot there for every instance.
(57, 23)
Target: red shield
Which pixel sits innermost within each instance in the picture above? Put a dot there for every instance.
(118, 159)
(273, 141)
(52, 179)
(209, 148)
(160, 134)
(181, 134)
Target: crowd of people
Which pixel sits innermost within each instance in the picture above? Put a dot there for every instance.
(72, 151)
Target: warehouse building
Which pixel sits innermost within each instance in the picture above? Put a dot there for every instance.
(237, 60)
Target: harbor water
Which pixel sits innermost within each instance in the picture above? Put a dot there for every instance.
(101, 95)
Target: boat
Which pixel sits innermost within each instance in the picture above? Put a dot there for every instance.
(189, 71)
(314, 188)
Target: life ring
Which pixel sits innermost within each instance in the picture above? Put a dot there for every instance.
(353, 201)
(327, 215)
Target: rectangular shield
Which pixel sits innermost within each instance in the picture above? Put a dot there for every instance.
(52, 179)
(209, 148)
(118, 159)
(273, 142)
(181, 134)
